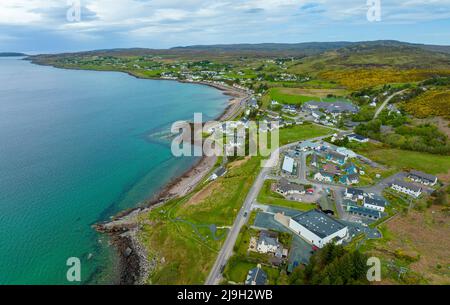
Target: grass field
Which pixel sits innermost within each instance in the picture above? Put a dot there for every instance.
(177, 235)
(298, 96)
(267, 196)
(302, 132)
(404, 159)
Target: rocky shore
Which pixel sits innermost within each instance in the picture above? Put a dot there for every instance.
(123, 229)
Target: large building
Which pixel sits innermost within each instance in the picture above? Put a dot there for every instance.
(288, 165)
(318, 228)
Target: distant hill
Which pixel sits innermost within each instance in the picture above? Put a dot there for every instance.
(310, 48)
(11, 54)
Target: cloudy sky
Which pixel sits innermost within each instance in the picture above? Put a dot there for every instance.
(52, 25)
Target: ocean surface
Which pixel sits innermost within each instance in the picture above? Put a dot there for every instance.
(76, 147)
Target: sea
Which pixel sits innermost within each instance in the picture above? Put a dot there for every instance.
(77, 147)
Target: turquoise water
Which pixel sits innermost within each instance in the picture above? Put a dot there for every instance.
(75, 148)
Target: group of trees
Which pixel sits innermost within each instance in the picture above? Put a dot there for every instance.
(424, 137)
(332, 265)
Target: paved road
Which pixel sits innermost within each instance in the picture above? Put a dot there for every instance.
(227, 248)
(386, 102)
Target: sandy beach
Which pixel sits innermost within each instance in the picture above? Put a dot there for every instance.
(123, 228)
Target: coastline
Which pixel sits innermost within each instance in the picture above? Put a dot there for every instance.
(123, 228)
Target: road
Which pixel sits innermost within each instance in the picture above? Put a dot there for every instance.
(386, 102)
(227, 248)
(225, 253)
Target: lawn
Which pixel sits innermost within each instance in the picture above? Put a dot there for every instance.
(298, 96)
(267, 196)
(404, 159)
(302, 132)
(177, 235)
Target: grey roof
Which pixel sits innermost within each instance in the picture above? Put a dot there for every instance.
(375, 201)
(336, 155)
(256, 276)
(220, 171)
(325, 173)
(364, 211)
(335, 107)
(355, 192)
(352, 177)
(357, 136)
(286, 186)
(407, 185)
(319, 223)
(269, 238)
(422, 175)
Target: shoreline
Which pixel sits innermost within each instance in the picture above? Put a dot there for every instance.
(123, 228)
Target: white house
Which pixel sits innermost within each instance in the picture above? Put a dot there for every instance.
(323, 176)
(354, 194)
(406, 188)
(374, 204)
(423, 178)
(317, 228)
(358, 138)
(267, 243)
(346, 152)
(284, 187)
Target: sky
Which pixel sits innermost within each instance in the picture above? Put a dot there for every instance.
(51, 26)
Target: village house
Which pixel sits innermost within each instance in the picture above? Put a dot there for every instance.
(336, 157)
(406, 188)
(318, 228)
(354, 194)
(423, 178)
(323, 176)
(219, 172)
(284, 187)
(364, 212)
(268, 243)
(256, 277)
(349, 179)
(308, 145)
(346, 152)
(374, 204)
(358, 138)
(314, 160)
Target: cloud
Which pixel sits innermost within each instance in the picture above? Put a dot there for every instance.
(173, 22)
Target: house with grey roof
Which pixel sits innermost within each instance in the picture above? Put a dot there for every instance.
(364, 212)
(219, 172)
(268, 242)
(375, 203)
(423, 178)
(354, 194)
(324, 176)
(406, 188)
(357, 138)
(318, 228)
(284, 187)
(336, 157)
(256, 276)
